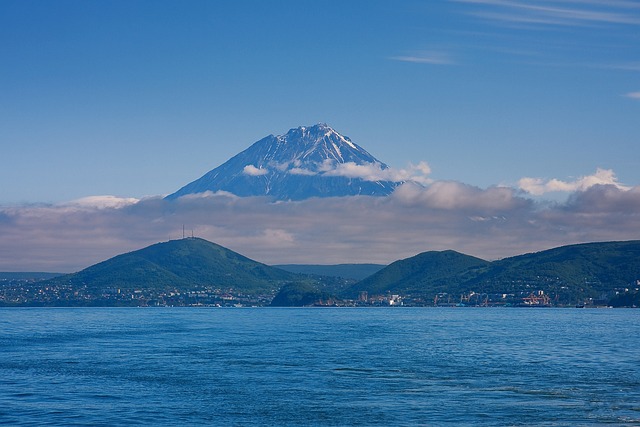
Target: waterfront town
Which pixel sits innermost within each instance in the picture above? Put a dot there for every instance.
(37, 293)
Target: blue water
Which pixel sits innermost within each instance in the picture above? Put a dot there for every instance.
(265, 366)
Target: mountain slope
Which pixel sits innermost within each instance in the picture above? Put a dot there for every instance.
(570, 273)
(594, 267)
(181, 264)
(428, 272)
(306, 162)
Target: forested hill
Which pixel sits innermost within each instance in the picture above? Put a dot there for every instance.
(181, 264)
(570, 273)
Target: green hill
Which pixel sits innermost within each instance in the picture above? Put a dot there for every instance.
(181, 264)
(569, 273)
(197, 272)
(428, 272)
(298, 295)
(575, 271)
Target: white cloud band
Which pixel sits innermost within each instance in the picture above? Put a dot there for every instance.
(538, 186)
(490, 223)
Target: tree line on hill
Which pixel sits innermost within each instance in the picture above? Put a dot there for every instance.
(193, 271)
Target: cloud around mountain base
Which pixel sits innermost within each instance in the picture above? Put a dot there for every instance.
(490, 223)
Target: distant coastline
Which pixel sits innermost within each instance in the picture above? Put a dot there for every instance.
(195, 272)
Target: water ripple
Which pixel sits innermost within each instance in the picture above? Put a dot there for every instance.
(319, 367)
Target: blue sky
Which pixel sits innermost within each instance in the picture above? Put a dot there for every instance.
(134, 99)
(140, 97)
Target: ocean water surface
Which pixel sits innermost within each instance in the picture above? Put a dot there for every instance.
(342, 366)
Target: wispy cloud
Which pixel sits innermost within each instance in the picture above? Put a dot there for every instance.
(302, 171)
(375, 172)
(427, 57)
(489, 223)
(251, 170)
(369, 171)
(564, 13)
(556, 33)
(633, 95)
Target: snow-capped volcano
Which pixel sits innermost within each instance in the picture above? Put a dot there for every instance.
(306, 162)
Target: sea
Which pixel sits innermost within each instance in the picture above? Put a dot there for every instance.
(319, 366)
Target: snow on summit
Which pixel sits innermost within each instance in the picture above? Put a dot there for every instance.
(314, 161)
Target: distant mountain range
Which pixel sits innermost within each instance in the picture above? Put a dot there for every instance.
(345, 271)
(306, 162)
(27, 276)
(193, 270)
